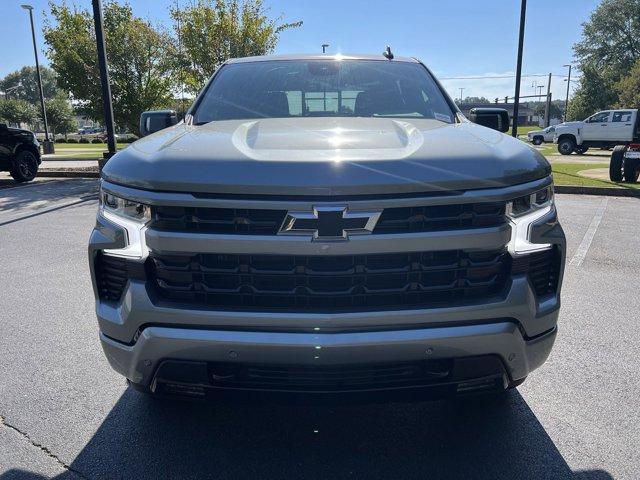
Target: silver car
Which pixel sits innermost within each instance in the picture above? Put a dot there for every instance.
(538, 137)
(325, 226)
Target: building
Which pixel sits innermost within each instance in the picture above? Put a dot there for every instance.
(526, 116)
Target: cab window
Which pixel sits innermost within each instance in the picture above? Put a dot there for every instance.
(601, 117)
(621, 117)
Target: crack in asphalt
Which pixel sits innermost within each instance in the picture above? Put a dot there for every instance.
(42, 448)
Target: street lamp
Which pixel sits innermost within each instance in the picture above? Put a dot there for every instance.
(324, 47)
(523, 13)
(566, 103)
(11, 89)
(106, 85)
(47, 145)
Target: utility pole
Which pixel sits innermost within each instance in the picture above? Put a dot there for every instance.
(462, 89)
(104, 80)
(539, 87)
(566, 103)
(547, 108)
(47, 146)
(523, 13)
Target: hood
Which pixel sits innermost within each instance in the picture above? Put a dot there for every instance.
(325, 156)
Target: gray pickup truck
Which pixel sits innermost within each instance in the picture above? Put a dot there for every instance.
(326, 226)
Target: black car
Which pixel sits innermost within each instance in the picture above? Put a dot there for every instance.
(19, 153)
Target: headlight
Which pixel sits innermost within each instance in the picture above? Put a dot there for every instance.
(130, 215)
(522, 213)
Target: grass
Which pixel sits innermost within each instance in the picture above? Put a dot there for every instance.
(524, 130)
(82, 151)
(92, 146)
(567, 174)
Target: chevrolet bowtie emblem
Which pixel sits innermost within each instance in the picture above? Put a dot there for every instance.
(329, 223)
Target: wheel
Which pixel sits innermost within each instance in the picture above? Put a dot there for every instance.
(25, 167)
(582, 150)
(537, 140)
(616, 163)
(631, 170)
(566, 146)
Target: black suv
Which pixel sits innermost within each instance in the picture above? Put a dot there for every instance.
(19, 153)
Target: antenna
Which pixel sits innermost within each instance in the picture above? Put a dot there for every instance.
(387, 53)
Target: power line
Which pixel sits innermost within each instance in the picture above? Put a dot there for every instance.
(502, 76)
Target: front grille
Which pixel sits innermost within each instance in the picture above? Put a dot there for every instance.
(328, 378)
(268, 222)
(237, 221)
(329, 283)
(543, 269)
(111, 276)
(441, 217)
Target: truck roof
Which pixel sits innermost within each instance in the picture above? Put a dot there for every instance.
(321, 56)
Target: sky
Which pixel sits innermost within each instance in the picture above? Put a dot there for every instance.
(464, 42)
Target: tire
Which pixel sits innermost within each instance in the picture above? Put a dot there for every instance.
(537, 140)
(25, 167)
(631, 170)
(582, 150)
(616, 164)
(566, 146)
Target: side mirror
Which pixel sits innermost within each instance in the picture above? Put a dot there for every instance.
(155, 120)
(496, 118)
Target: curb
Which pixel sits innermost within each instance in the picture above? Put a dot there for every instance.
(69, 173)
(606, 191)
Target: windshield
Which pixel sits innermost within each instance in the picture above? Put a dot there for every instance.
(322, 88)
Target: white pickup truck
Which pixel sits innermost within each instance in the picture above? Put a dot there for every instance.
(604, 129)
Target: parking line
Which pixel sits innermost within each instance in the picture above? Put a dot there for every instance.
(583, 248)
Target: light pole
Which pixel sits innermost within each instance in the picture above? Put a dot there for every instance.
(566, 103)
(516, 100)
(462, 89)
(324, 47)
(104, 80)
(47, 145)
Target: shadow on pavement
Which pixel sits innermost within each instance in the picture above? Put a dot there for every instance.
(31, 199)
(470, 438)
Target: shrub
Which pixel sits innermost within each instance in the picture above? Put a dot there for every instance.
(72, 140)
(84, 140)
(61, 140)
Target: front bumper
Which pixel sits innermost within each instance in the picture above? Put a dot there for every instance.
(141, 362)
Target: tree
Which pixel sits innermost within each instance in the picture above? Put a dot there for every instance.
(595, 92)
(60, 115)
(628, 88)
(15, 111)
(139, 61)
(611, 38)
(212, 31)
(608, 50)
(26, 81)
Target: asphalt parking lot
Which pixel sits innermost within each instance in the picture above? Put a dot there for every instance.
(65, 414)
